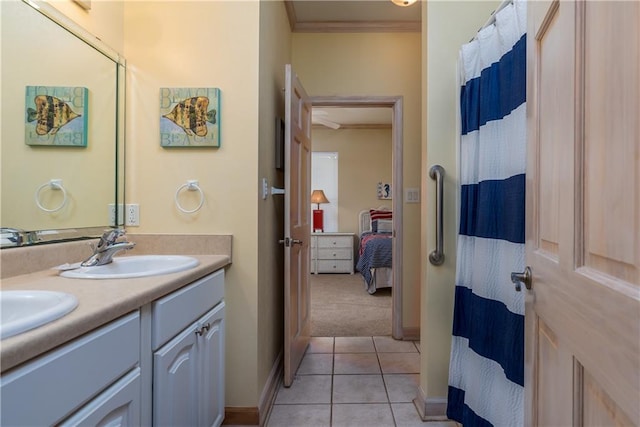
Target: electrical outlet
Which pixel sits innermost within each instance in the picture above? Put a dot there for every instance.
(133, 215)
(112, 214)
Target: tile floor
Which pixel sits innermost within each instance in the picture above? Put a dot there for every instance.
(353, 381)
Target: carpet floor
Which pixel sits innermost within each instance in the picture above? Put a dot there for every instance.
(341, 307)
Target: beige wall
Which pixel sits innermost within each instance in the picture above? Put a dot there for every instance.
(166, 47)
(382, 64)
(275, 52)
(104, 20)
(364, 159)
(446, 26)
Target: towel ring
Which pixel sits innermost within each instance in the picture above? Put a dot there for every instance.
(191, 185)
(54, 184)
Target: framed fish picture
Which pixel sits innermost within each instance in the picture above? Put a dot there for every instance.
(190, 117)
(56, 115)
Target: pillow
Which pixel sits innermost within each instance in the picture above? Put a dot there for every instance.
(382, 226)
(378, 214)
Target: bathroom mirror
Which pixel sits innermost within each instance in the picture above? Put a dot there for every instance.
(62, 128)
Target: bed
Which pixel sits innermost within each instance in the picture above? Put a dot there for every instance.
(375, 249)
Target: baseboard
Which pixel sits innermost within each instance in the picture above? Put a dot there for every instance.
(411, 333)
(431, 409)
(253, 416)
(268, 395)
(234, 415)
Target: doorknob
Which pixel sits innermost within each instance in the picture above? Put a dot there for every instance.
(524, 277)
(290, 242)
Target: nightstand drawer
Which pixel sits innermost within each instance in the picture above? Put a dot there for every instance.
(337, 253)
(335, 242)
(335, 266)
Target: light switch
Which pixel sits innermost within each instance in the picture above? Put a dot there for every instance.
(412, 195)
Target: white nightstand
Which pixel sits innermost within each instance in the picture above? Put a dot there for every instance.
(332, 253)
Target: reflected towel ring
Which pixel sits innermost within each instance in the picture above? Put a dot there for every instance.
(54, 184)
(191, 185)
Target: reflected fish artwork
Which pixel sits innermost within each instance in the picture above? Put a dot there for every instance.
(190, 117)
(56, 116)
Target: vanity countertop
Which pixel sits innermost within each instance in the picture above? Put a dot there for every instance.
(99, 302)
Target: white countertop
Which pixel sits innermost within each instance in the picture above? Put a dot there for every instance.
(99, 302)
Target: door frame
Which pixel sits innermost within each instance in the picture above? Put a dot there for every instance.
(395, 103)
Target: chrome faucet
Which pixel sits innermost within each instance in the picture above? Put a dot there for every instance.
(107, 247)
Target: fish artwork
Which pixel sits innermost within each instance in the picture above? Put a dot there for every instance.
(192, 116)
(50, 114)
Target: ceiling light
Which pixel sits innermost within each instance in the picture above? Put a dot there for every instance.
(403, 3)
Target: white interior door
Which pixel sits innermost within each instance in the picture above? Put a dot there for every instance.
(582, 364)
(297, 229)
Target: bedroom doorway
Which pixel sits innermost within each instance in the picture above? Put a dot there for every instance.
(395, 104)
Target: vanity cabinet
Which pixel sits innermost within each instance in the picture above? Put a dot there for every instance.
(188, 367)
(77, 381)
(160, 365)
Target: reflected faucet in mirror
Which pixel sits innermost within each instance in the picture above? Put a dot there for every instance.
(13, 236)
(107, 247)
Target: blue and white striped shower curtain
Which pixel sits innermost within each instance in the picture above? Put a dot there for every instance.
(486, 375)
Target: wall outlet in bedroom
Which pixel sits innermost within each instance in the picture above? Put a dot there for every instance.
(412, 195)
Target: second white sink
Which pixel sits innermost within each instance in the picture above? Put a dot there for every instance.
(127, 267)
(21, 311)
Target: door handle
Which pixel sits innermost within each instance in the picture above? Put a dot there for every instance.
(437, 256)
(524, 277)
(289, 242)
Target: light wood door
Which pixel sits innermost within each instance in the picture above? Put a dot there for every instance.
(582, 363)
(297, 228)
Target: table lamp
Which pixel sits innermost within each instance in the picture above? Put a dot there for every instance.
(317, 196)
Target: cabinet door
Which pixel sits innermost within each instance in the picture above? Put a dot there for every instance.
(211, 351)
(63, 379)
(118, 406)
(175, 381)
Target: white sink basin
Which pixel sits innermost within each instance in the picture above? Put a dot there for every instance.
(127, 267)
(24, 310)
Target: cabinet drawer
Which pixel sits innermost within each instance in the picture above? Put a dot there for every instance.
(176, 311)
(335, 266)
(47, 389)
(337, 253)
(335, 242)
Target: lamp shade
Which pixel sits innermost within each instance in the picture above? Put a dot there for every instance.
(403, 3)
(317, 196)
